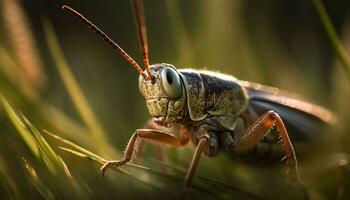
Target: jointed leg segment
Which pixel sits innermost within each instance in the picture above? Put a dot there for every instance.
(165, 138)
(155, 135)
(260, 129)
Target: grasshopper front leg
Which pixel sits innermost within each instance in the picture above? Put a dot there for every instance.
(165, 138)
(258, 130)
(140, 144)
(152, 134)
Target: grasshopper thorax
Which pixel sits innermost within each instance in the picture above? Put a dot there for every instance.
(164, 94)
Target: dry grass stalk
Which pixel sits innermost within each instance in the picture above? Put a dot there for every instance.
(24, 46)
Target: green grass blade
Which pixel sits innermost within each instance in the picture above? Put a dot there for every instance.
(93, 157)
(85, 156)
(80, 101)
(332, 36)
(77, 147)
(32, 137)
(20, 126)
(76, 187)
(49, 156)
(82, 155)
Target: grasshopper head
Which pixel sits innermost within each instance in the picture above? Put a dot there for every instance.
(164, 94)
(160, 84)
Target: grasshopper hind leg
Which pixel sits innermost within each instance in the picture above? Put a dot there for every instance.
(259, 131)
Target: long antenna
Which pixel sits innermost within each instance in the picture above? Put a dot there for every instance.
(141, 28)
(105, 38)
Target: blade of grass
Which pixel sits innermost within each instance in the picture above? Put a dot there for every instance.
(332, 36)
(32, 137)
(79, 100)
(49, 156)
(82, 152)
(77, 147)
(20, 127)
(86, 156)
(71, 179)
(93, 157)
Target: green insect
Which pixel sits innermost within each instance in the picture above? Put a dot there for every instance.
(216, 111)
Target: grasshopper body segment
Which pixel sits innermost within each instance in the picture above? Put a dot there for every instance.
(221, 96)
(195, 93)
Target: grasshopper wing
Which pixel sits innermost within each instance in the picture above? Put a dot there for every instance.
(303, 120)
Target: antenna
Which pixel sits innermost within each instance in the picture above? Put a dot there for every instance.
(106, 38)
(139, 15)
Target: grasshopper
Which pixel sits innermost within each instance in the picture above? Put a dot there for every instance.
(215, 111)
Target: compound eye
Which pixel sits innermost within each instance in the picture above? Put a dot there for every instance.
(140, 85)
(171, 83)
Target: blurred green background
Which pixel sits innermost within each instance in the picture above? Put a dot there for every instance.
(276, 42)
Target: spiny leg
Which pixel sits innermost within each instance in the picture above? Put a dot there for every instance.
(155, 135)
(259, 130)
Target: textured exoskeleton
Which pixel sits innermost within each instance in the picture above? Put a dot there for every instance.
(225, 107)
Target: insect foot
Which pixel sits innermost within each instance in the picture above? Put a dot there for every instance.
(111, 164)
(294, 179)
